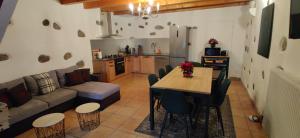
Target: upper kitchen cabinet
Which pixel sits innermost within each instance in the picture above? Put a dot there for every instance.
(147, 64)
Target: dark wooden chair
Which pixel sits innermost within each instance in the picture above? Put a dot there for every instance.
(162, 73)
(169, 68)
(216, 100)
(152, 78)
(176, 103)
(197, 64)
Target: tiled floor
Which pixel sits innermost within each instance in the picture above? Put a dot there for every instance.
(120, 119)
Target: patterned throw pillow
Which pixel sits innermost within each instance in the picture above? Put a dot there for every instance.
(45, 83)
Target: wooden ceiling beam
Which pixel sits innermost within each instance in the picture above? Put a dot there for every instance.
(75, 1)
(116, 3)
(184, 6)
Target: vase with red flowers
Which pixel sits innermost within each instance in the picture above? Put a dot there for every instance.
(187, 69)
(213, 42)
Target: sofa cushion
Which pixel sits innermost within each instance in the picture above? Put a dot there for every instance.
(45, 83)
(57, 97)
(73, 78)
(19, 95)
(96, 90)
(61, 74)
(26, 110)
(32, 86)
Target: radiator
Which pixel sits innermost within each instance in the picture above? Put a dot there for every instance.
(282, 110)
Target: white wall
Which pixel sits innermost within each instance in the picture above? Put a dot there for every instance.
(27, 38)
(288, 59)
(228, 25)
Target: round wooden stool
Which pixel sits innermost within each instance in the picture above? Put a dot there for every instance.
(88, 116)
(50, 126)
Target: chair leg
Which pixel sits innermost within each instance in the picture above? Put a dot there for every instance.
(163, 125)
(220, 119)
(187, 126)
(171, 117)
(197, 113)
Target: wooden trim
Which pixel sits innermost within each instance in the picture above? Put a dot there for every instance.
(75, 1)
(186, 8)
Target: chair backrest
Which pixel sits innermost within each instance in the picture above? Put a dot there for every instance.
(221, 77)
(161, 73)
(218, 97)
(175, 102)
(169, 68)
(152, 78)
(197, 64)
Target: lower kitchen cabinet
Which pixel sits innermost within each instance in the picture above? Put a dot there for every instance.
(128, 65)
(136, 64)
(147, 64)
(106, 68)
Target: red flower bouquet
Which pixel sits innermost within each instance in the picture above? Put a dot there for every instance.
(213, 42)
(187, 69)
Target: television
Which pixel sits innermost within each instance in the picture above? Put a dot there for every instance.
(266, 28)
(212, 51)
(295, 20)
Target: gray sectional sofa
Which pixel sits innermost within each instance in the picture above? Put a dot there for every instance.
(62, 99)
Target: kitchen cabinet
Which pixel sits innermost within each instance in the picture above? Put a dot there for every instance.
(111, 73)
(106, 68)
(128, 65)
(136, 67)
(147, 64)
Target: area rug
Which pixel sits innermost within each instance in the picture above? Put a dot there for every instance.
(176, 128)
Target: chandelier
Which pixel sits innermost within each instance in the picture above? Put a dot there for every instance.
(145, 9)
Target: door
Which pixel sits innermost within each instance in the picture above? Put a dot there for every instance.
(176, 61)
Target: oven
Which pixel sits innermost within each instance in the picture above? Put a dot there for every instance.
(119, 65)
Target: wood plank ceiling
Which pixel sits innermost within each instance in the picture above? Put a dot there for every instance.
(120, 7)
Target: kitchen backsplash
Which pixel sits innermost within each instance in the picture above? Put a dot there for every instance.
(112, 46)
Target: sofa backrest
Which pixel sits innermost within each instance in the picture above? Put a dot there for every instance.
(12, 83)
(61, 74)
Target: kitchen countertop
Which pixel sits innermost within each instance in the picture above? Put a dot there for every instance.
(146, 54)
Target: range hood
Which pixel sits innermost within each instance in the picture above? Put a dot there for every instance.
(106, 26)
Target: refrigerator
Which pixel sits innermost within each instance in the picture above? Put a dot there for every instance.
(179, 44)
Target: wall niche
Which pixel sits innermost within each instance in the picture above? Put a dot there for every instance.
(68, 55)
(3, 57)
(43, 58)
(80, 64)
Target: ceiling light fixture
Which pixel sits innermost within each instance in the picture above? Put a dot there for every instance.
(145, 9)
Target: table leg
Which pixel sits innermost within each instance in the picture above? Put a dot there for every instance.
(207, 120)
(151, 117)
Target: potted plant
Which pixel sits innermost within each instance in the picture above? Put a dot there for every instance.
(187, 69)
(213, 42)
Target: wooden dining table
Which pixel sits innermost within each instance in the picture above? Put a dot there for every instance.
(198, 85)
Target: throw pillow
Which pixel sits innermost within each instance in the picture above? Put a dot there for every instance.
(4, 98)
(45, 83)
(85, 74)
(73, 78)
(19, 95)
